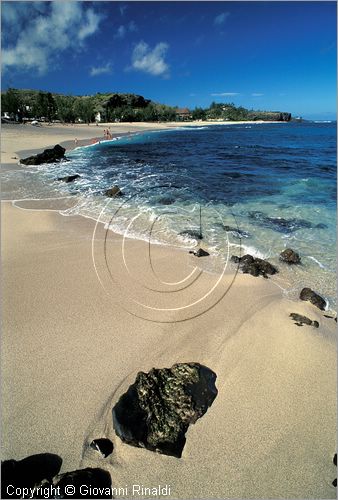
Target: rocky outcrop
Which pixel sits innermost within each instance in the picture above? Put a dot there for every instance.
(69, 178)
(200, 253)
(275, 116)
(103, 446)
(254, 266)
(48, 156)
(290, 256)
(313, 297)
(158, 408)
(113, 192)
(303, 320)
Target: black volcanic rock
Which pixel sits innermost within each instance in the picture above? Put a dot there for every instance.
(113, 192)
(254, 265)
(200, 253)
(28, 472)
(103, 446)
(279, 224)
(303, 320)
(69, 178)
(290, 256)
(48, 156)
(166, 200)
(192, 234)
(158, 408)
(82, 481)
(313, 297)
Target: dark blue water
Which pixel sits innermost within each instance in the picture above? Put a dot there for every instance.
(260, 188)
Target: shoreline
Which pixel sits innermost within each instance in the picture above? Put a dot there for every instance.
(74, 330)
(118, 129)
(280, 281)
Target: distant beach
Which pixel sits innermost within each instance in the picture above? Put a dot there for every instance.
(82, 315)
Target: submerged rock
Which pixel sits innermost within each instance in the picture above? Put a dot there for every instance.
(279, 224)
(69, 178)
(290, 256)
(254, 265)
(29, 472)
(313, 297)
(158, 408)
(113, 192)
(166, 201)
(303, 320)
(103, 446)
(86, 479)
(192, 234)
(200, 253)
(48, 156)
(237, 233)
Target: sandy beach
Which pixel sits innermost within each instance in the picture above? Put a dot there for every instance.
(75, 336)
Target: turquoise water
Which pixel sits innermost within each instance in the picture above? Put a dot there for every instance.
(259, 189)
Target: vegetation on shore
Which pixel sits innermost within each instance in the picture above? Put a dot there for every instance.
(21, 105)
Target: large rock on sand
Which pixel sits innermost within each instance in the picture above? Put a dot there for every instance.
(313, 297)
(158, 408)
(48, 156)
(200, 253)
(303, 320)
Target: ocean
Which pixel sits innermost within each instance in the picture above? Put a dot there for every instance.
(255, 188)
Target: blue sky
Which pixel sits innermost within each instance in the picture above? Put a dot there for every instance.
(262, 55)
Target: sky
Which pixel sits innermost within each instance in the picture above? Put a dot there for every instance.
(261, 55)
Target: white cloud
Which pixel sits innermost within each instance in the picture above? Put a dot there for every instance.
(121, 32)
(124, 29)
(256, 94)
(221, 18)
(42, 32)
(91, 25)
(150, 61)
(122, 9)
(100, 70)
(223, 94)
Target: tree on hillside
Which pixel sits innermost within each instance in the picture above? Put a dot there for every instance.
(45, 106)
(64, 106)
(199, 114)
(11, 103)
(84, 109)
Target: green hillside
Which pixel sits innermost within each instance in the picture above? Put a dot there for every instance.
(21, 105)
